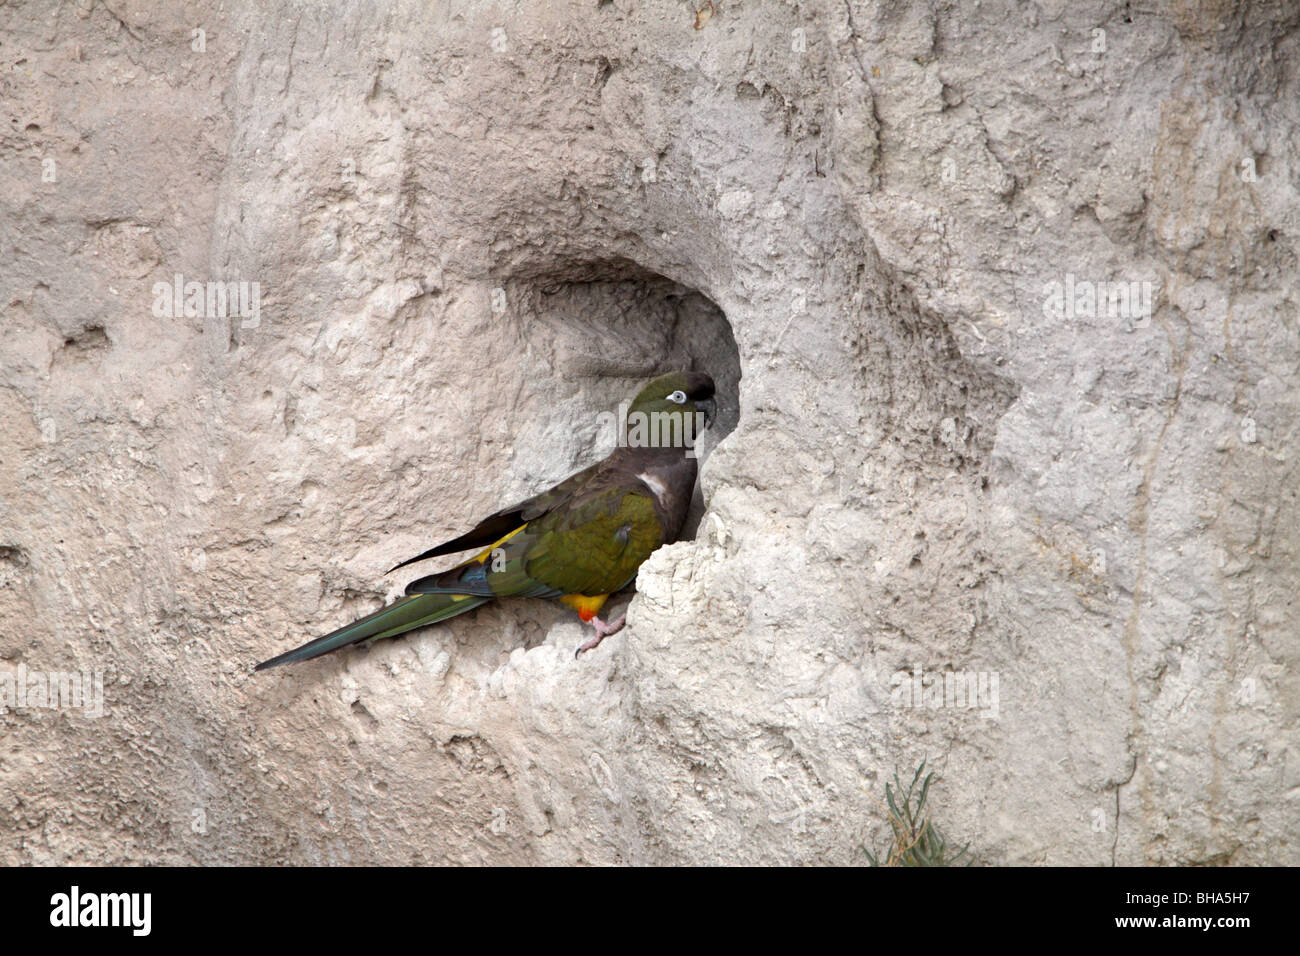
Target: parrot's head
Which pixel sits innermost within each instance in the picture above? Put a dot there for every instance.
(678, 399)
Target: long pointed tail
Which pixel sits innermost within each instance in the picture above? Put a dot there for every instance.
(406, 614)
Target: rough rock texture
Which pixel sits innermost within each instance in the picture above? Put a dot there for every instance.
(476, 227)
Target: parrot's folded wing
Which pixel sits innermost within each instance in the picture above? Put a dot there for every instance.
(499, 524)
(591, 544)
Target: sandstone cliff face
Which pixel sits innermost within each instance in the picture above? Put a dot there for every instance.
(893, 231)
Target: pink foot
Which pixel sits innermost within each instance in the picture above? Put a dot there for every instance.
(603, 631)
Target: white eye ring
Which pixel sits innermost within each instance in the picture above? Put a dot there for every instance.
(678, 397)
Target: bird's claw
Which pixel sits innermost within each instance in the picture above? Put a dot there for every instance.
(603, 631)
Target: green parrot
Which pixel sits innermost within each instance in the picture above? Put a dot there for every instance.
(577, 543)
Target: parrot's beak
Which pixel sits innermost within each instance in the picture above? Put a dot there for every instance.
(709, 407)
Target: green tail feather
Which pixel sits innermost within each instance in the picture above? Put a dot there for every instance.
(410, 612)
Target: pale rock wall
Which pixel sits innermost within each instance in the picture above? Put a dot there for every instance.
(849, 213)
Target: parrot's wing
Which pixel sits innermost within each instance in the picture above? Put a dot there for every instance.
(497, 525)
(595, 544)
(591, 542)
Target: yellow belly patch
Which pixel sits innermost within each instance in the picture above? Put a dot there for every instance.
(587, 606)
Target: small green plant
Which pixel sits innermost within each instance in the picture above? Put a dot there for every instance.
(916, 840)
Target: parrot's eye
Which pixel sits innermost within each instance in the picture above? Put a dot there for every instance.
(678, 397)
